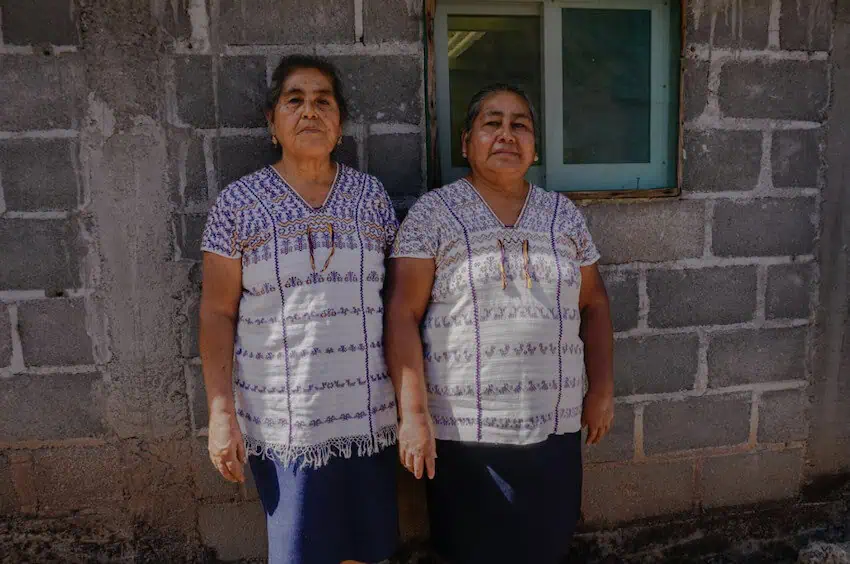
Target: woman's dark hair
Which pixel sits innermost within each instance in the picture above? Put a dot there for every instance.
(292, 63)
(474, 107)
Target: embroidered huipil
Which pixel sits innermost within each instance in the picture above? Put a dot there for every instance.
(309, 375)
(503, 358)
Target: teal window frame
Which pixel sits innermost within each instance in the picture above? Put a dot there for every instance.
(591, 180)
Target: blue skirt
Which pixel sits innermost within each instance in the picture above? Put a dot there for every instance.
(345, 510)
(506, 504)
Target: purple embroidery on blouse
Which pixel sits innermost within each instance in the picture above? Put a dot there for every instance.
(475, 313)
(304, 424)
(282, 325)
(363, 309)
(560, 318)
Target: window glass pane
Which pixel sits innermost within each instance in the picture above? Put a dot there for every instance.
(488, 49)
(607, 89)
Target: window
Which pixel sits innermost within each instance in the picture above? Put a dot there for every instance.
(603, 74)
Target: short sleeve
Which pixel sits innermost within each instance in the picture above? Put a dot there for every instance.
(220, 235)
(586, 251)
(418, 236)
(388, 217)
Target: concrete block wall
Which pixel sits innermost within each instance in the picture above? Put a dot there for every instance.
(120, 121)
(715, 292)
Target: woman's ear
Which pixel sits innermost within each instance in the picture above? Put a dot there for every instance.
(464, 138)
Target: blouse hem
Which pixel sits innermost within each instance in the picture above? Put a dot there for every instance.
(316, 456)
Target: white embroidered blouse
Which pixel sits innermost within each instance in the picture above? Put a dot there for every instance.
(504, 361)
(309, 375)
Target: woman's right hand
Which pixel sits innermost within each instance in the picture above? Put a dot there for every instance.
(416, 445)
(226, 447)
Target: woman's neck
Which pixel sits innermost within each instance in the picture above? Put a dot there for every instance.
(306, 171)
(514, 188)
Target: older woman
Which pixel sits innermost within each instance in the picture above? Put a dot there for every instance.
(291, 321)
(500, 277)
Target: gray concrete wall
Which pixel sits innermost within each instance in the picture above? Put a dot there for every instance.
(120, 120)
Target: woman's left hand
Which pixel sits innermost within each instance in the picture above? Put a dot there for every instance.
(597, 414)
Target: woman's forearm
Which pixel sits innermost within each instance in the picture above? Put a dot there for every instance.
(405, 361)
(598, 336)
(216, 340)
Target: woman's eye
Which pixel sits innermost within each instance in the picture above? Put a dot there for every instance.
(519, 126)
(294, 101)
(492, 124)
(324, 102)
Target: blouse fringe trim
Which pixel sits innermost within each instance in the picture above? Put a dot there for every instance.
(316, 456)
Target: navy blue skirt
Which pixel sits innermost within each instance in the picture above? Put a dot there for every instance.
(346, 510)
(502, 503)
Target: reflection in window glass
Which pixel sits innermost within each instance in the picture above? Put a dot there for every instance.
(607, 95)
(488, 49)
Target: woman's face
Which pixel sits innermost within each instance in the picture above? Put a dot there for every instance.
(306, 120)
(501, 141)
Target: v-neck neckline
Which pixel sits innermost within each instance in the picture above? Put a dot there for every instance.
(519, 218)
(300, 198)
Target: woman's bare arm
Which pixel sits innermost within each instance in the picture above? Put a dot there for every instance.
(408, 294)
(222, 288)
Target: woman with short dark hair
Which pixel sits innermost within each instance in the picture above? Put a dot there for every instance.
(495, 310)
(291, 325)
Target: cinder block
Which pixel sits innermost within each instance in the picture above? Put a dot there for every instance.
(5, 336)
(53, 187)
(53, 332)
(721, 161)
(789, 291)
(397, 162)
(235, 530)
(36, 22)
(701, 296)
(796, 158)
(619, 443)
(239, 156)
(51, 407)
(390, 20)
(242, 91)
(78, 478)
(806, 26)
(655, 365)
(751, 478)
(782, 417)
(762, 355)
(794, 90)
(780, 227)
(654, 232)
(622, 288)
(56, 244)
(399, 80)
(696, 87)
(699, 422)
(188, 169)
(295, 22)
(44, 92)
(194, 90)
(190, 232)
(623, 493)
(743, 27)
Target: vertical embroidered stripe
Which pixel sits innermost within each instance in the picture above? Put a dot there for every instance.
(282, 308)
(560, 314)
(476, 317)
(363, 309)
